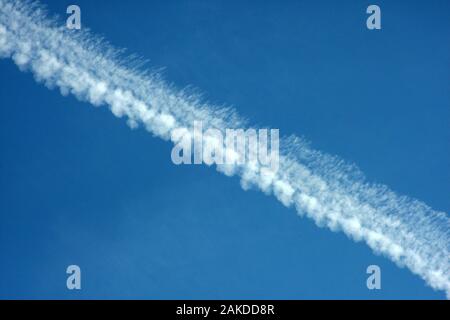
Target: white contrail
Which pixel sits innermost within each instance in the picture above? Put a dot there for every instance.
(320, 186)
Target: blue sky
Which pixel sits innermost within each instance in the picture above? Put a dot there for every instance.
(79, 187)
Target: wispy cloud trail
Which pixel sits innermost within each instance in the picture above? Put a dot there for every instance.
(322, 187)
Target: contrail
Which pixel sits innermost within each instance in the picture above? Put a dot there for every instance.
(322, 187)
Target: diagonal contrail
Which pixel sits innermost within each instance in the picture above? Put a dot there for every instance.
(322, 187)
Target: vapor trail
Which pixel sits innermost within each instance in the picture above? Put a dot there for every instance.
(322, 187)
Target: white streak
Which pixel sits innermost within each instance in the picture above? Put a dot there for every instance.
(324, 188)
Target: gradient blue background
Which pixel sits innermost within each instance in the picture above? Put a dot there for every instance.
(77, 186)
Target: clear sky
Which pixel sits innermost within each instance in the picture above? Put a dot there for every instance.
(77, 186)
